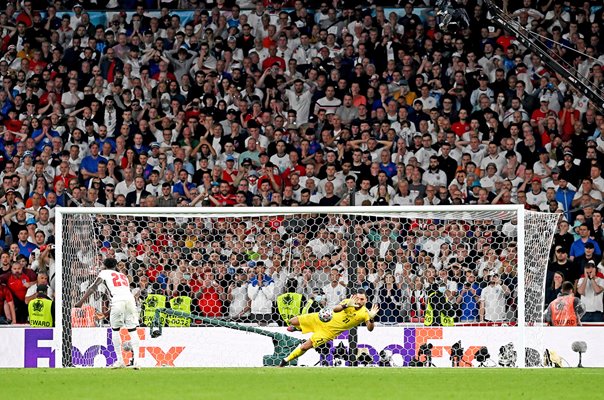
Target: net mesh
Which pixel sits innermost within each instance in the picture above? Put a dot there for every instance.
(539, 230)
(539, 235)
(258, 270)
(80, 257)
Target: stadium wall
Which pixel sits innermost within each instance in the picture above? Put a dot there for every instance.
(222, 347)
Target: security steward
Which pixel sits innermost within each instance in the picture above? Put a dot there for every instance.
(566, 309)
(41, 309)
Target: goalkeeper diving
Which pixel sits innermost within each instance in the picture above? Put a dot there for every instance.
(349, 314)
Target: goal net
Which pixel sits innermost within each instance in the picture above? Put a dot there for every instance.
(456, 286)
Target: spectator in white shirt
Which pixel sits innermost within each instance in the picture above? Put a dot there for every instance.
(493, 156)
(434, 175)
(586, 188)
(493, 301)
(321, 245)
(536, 196)
(127, 185)
(424, 154)
(335, 290)
(329, 103)
(590, 287)
(595, 174)
(543, 168)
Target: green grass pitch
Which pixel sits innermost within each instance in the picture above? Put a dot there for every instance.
(299, 383)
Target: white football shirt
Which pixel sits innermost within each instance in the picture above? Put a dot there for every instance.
(117, 284)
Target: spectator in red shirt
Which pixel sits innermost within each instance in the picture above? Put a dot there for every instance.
(268, 41)
(65, 174)
(154, 269)
(26, 16)
(506, 40)
(163, 240)
(13, 123)
(37, 60)
(568, 117)
(18, 281)
(224, 198)
(163, 73)
(230, 172)
(269, 176)
(462, 126)
(541, 112)
(294, 158)
(273, 60)
(196, 281)
(7, 307)
(209, 302)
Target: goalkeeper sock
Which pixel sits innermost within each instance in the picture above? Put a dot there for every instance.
(295, 354)
(134, 339)
(117, 344)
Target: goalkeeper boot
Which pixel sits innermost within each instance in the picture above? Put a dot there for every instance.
(283, 363)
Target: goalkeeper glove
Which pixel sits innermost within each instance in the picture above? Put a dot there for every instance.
(352, 302)
(373, 312)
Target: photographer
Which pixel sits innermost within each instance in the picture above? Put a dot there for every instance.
(590, 287)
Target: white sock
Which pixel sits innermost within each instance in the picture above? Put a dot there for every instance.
(117, 344)
(135, 345)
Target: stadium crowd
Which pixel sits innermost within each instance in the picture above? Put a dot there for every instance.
(300, 103)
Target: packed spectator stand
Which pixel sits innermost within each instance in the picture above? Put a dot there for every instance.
(295, 104)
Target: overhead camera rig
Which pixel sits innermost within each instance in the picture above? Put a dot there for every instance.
(452, 16)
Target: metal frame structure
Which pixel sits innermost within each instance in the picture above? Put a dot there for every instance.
(558, 65)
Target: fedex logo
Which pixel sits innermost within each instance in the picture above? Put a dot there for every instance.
(419, 336)
(412, 339)
(39, 354)
(160, 357)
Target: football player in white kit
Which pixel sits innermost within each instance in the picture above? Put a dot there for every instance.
(123, 308)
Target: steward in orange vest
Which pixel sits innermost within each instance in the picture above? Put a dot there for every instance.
(566, 310)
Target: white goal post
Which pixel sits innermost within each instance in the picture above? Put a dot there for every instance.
(416, 244)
